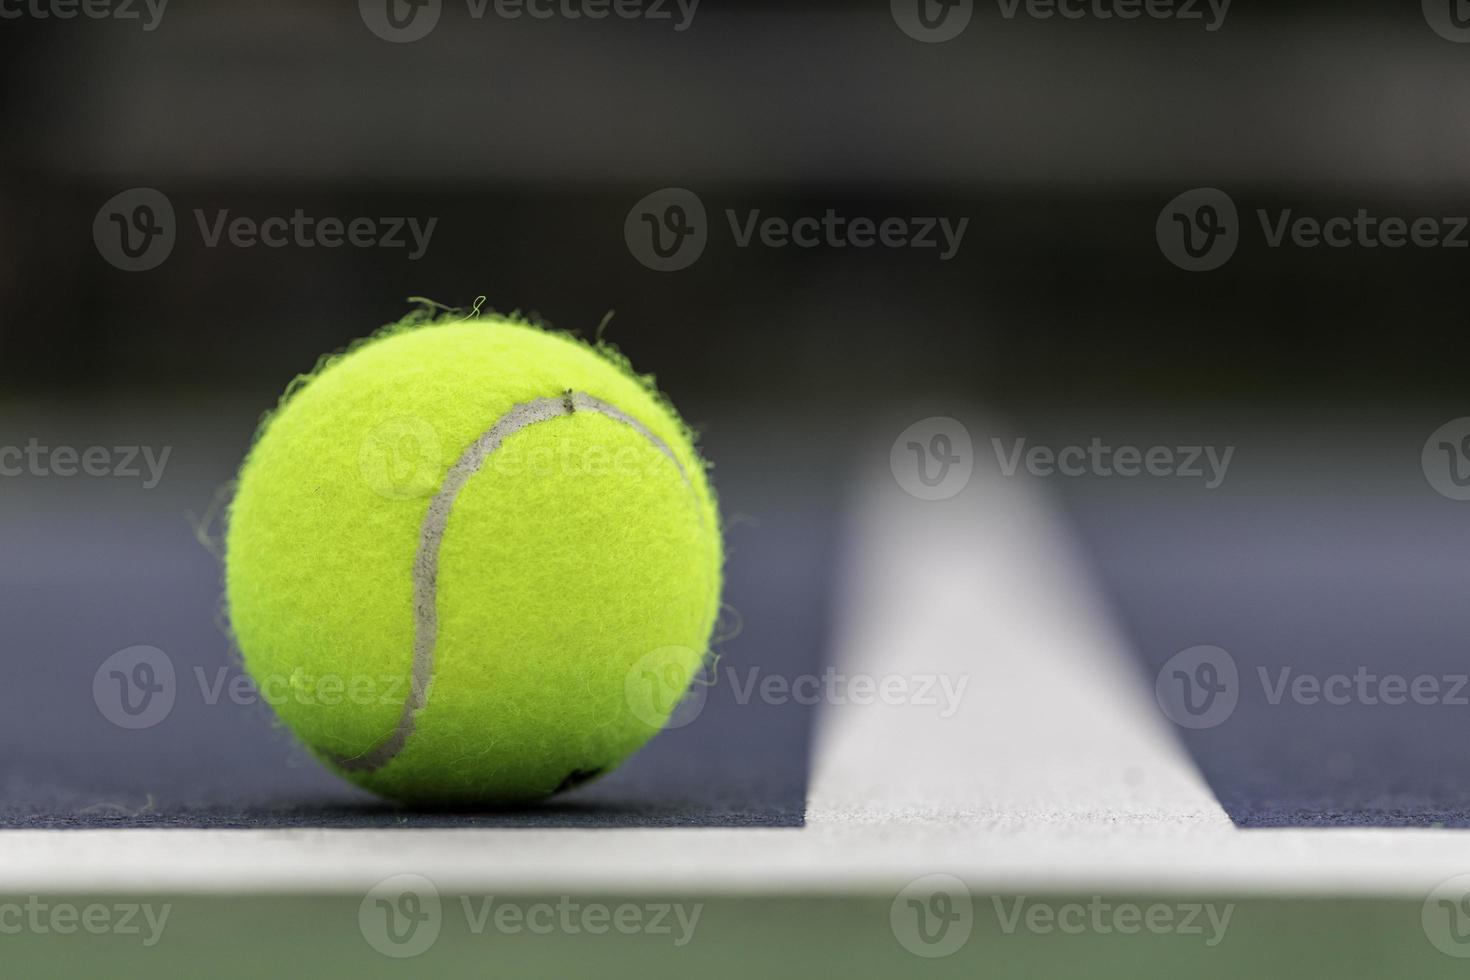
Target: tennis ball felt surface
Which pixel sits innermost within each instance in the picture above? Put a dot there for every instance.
(473, 562)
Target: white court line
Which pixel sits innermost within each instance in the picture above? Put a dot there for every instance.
(1056, 728)
(1056, 773)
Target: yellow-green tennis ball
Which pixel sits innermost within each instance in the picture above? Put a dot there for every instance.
(473, 562)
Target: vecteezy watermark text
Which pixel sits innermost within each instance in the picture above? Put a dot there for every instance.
(1363, 230)
(936, 21)
(570, 917)
(836, 688)
(136, 230)
(118, 462)
(1200, 230)
(1200, 688)
(302, 230)
(933, 459)
(679, 12)
(149, 13)
(1103, 917)
(404, 21)
(1207, 463)
(669, 229)
(37, 917)
(1211, 12)
(402, 916)
(833, 230)
(137, 687)
(661, 692)
(1363, 686)
(934, 916)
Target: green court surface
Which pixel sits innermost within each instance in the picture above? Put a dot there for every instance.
(607, 935)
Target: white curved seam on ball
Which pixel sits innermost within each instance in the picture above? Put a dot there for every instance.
(426, 562)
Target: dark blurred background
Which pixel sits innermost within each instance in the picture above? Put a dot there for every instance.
(530, 141)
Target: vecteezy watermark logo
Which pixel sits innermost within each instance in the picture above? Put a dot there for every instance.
(667, 230)
(932, 21)
(135, 230)
(1450, 19)
(147, 690)
(933, 459)
(135, 688)
(148, 12)
(661, 689)
(1201, 687)
(1445, 916)
(1198, 687)
(659, 685)
(400, 21)
(401, 916)
(933, 916)
(117, 462)
(402, 458)
(1446, 459)
(1199, 230)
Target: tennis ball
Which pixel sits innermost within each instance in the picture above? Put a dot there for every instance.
(473, 562)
